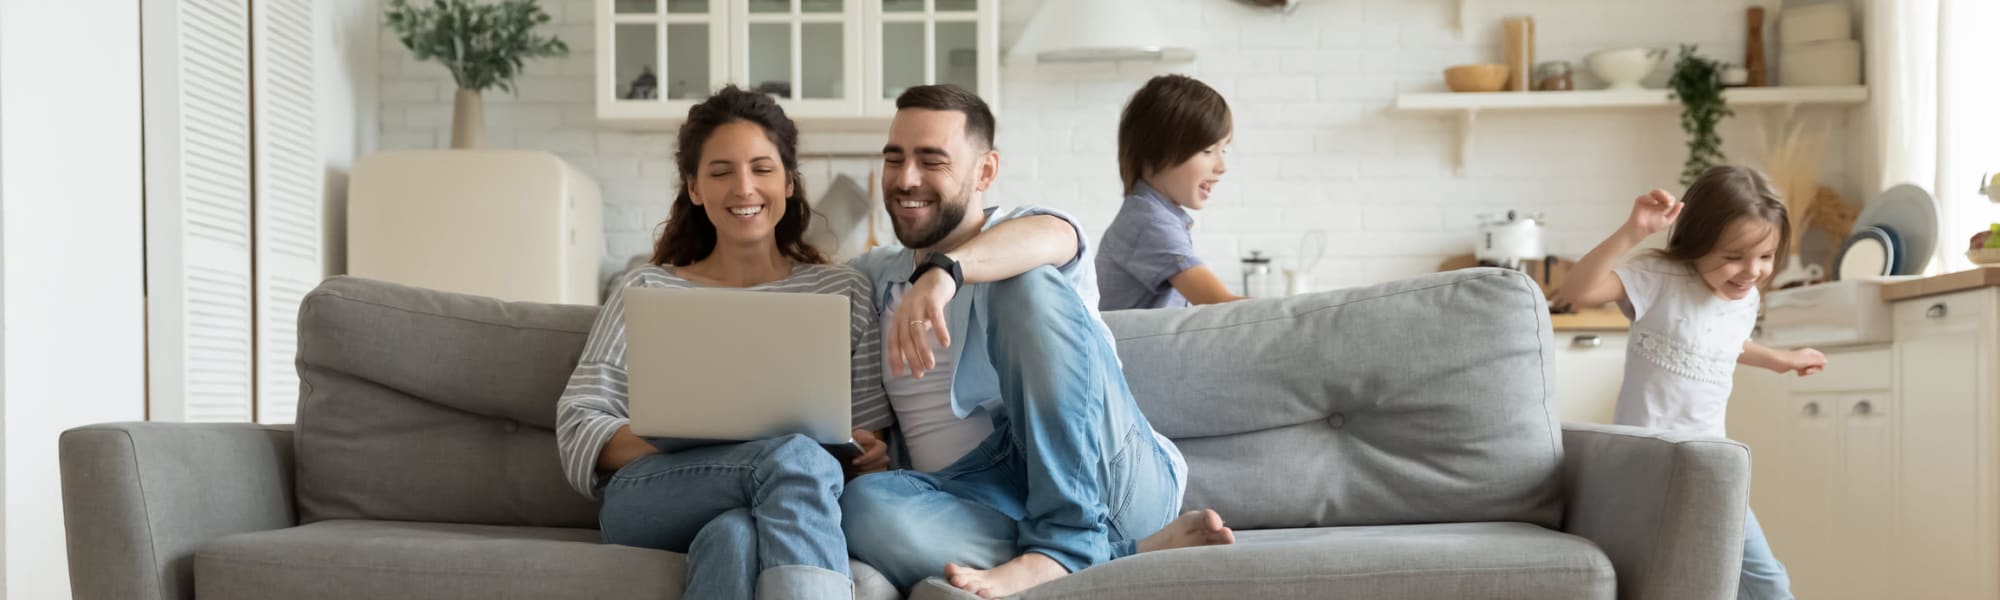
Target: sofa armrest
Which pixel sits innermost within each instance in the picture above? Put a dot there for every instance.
(1666, 508)
(139, 498)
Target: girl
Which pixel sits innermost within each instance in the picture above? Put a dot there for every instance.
(759, 518)
(1692, 307)
(1171, 142)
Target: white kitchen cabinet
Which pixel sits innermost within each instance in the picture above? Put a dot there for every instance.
(1880, 477)
(1590, 365)
(1761, 415)
(828, 60)
(1949, 462)
(1822, 452)
(1800, 526)
(1864, 496)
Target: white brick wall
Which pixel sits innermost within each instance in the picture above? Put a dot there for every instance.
(1316, 145)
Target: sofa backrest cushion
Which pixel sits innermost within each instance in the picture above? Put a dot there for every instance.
(421, 405)
(1419, 401)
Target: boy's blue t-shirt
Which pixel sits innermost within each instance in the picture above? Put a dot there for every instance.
(1147, 244)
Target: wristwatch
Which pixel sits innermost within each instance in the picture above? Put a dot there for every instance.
(938, 260)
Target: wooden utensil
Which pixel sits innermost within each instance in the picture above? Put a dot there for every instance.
(872, 242)
(1753, 48)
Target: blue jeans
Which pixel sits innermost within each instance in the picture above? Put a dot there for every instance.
(1764, 577)
(1071, 471)
(757, 519)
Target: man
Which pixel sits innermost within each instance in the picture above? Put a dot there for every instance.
(1030, 458)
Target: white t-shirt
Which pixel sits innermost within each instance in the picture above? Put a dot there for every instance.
(1681, 356)
(937, 437)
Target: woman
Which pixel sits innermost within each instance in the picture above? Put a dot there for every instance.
(1171, 142)
(760, 518)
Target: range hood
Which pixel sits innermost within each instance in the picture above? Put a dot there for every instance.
(1080, 31)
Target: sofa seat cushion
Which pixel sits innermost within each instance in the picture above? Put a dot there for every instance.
(1459, 560)
(392, 559)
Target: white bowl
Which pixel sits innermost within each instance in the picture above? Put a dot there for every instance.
(1624, 68)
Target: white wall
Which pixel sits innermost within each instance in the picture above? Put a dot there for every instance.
(3, 313)
(1316, 146)
(70, 206)
(349, 98)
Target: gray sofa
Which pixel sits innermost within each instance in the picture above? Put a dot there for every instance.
(1394, 441)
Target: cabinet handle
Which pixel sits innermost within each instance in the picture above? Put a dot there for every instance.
(1812, 408)
(1586, 341)
(1863, 407)
(1937, 311)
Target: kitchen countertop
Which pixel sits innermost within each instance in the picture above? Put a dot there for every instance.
(1941, 284)
(1591, 319)
(1604, 318)
(1609, 319)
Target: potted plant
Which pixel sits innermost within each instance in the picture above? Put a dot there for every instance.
(1697, 82)
(483, 44)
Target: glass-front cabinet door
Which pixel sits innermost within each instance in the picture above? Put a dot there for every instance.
(920, 42)
(657, 58)
(806, 53)
(823, 59)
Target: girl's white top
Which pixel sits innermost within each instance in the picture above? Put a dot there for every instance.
(1681, 356)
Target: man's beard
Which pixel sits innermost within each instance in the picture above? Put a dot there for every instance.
(950, 212)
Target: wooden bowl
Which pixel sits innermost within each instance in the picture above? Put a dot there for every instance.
(1476, 78)
(1984, 256)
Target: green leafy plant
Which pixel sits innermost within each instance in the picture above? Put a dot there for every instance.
(483, 44)
(1697, 82)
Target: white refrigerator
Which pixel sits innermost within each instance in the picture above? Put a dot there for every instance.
(509, 224)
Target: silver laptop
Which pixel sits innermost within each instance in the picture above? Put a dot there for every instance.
(714, 366)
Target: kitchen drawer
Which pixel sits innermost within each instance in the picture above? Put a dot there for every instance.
(1848, 370)
(1945, 312)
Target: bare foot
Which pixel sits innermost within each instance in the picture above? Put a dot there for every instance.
(1013, 577)
(1193, 528)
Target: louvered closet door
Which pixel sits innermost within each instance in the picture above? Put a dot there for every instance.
(288, 186)
(198, 210)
